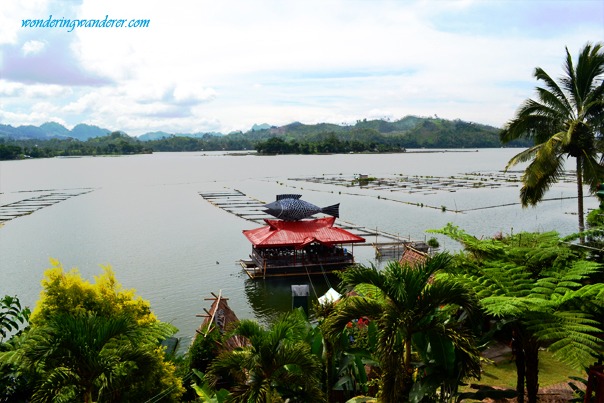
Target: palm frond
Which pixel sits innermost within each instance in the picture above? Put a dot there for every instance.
(593, 172)
(590, 65)
(350, 308)
(545, 170)
(558, 96)
(356, 275)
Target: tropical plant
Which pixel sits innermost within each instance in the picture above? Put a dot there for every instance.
(540, 290)
(411, 311)
(205, 393)
(12, 316)
(277, 364)
(89, 357)
(566, 120)
(68, 292)
(348, 356)
(13, 321)
(89, 341)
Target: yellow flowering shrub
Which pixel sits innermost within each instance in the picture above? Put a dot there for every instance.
(68, 292)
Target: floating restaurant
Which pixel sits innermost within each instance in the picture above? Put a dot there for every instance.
(294, 248)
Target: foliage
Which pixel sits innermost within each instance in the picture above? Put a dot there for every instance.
(593, 235)
(276, 365)
(297, 138)
(203, 350)
(67, 292)
(12, 316)
(90, 342)
(540, 289)
(349, 356)
(205, 392)
(566, 120)
(416, 319)
(116, 143)
(88, 357)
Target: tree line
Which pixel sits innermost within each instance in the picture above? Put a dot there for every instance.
(296, 138)
(116, 143)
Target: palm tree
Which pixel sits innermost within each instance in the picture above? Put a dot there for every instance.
(566, 121)
(276, 365)
(410, 308)
(88, 357)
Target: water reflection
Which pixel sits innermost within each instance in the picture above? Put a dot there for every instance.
(272, 297)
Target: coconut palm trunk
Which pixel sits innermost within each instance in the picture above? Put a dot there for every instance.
(580, 200)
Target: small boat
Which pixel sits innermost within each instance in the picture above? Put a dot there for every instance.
(220, 316)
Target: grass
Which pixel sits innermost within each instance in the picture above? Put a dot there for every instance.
(551, 372)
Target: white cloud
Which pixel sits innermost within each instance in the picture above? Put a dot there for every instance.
(32, 47)
(33, 91)
(207, 65)
(14, 12)
(190, 93)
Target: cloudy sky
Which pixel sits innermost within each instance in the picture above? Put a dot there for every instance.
(225, 65)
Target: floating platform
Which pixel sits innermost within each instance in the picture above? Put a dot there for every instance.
(293, 267)
(386, 245)
(30, 205)
(250, 209)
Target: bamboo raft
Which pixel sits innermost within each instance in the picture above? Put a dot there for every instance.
(30, 205)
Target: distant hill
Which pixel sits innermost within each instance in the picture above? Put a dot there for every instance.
(408, 132)
(154, 136)
(85, 132)
(52, 130)
(263, 126)
(164, 135)
(23, 132)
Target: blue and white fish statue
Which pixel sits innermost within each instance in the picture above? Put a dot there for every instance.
(289, 207)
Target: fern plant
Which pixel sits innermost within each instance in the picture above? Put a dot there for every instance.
(542, 290)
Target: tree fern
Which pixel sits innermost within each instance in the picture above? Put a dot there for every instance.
(539, 287)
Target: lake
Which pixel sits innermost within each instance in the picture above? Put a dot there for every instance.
(143, 215)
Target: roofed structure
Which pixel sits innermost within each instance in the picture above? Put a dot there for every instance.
(297, 234)
(290, 248)
(413, 257)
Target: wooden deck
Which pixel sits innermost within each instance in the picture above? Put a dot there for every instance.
(258, 267)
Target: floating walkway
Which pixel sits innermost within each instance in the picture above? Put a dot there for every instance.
(234, 201)
(27, 206)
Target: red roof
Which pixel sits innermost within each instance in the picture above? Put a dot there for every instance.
(413, 257)
(299, 233)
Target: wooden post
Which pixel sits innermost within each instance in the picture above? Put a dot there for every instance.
(213, 313)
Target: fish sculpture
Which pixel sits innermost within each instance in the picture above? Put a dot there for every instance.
(289, 207)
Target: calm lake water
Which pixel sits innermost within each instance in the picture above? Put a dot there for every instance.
(144, 217)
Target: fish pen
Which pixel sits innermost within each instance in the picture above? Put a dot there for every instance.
(32, 204)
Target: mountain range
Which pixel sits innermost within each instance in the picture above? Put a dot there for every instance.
(51, 130)
(85, 131)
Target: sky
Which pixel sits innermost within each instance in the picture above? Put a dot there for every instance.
(222, 66)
